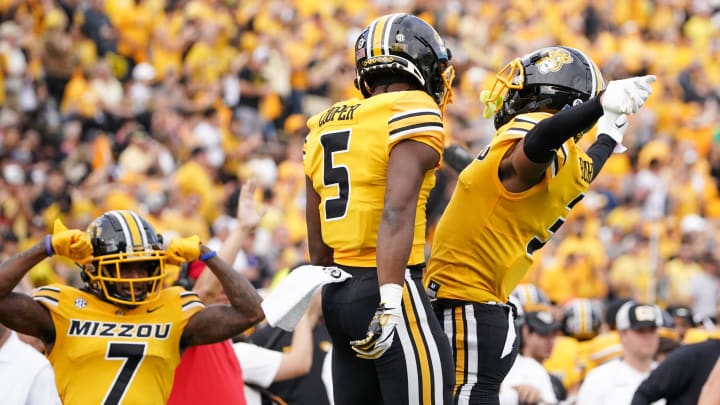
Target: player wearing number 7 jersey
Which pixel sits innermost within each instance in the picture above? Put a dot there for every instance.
(514, 195)
(118, 339)
(370, 166)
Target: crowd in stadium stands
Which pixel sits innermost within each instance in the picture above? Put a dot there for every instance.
(165, 107)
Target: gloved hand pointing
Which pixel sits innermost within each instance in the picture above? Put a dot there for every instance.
(627, 96)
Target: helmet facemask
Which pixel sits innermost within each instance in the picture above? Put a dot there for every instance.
(115, 277)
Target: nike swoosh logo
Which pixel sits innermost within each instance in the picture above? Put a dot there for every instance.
(149, 310)
(620, 126)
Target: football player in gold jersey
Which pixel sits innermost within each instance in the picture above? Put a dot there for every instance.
(119, 339)
(514, 195)
(370, 165)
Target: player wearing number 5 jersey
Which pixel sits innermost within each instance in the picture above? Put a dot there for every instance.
(370, 166)
(514, 195)
(121, 332)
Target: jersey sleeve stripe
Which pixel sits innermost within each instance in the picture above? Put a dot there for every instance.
(189, 294)
(411, 129)
(192, 304)
(516, 131)
(414, 113)
(519, 129)
(611, 350)
(48, 300)
(526, 120)
(46, 288)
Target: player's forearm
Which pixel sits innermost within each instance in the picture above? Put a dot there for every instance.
(600, 152)
(298, 360)
(242, 295)
(542, 142)
(394, 242)
(13, 269)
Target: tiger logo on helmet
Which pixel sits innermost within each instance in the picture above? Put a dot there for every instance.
(554, 61)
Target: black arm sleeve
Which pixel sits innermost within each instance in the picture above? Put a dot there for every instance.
(600, 152)
(543, 141)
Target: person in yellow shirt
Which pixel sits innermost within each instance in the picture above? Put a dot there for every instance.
(581, 322)
(606, 345)
(121, 331)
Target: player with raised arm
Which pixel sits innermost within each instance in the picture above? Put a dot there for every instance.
(514, 195)
(118, 339)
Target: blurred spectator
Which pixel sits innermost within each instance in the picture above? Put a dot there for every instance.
(97, 26)
(680, 377)
(615, 381)
(528, 382)
(682, 317)
(212, 373)
(58, 60)
(306, 389)
(264, 366)
(13, 63)
(704, 287)
(27, 376)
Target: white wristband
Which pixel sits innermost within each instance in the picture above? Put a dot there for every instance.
(391, 295)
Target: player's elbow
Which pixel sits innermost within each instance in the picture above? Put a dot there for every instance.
(256, 315)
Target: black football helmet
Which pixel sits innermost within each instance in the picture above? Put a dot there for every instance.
(582, 318)
(121, 239)
(547, 80)
(531, 297)
(404, 44)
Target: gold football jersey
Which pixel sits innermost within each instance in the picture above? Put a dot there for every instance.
(565, 361)
(601, 349)
(346, 155)
(485, 239)
(107, 355)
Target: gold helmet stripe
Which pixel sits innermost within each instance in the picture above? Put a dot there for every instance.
(582, 317)
(143, 234)
(380, 34)
(130, 229)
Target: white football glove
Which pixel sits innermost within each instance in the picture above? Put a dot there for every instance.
(614, 125)
(626, 96)
(381, 331)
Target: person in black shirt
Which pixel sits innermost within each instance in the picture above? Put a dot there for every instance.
(680, 377)
(307, 389)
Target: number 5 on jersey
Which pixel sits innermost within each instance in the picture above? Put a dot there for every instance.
(335, 175)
